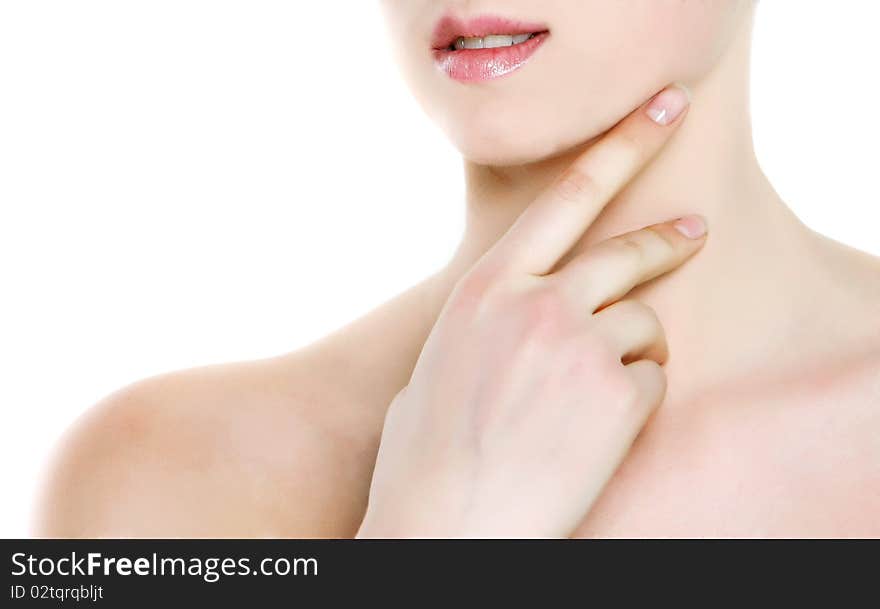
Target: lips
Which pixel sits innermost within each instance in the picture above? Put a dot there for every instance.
(485, 48)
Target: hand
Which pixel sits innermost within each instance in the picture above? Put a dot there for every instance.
(533, 384)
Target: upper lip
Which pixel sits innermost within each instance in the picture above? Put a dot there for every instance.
(450, 28)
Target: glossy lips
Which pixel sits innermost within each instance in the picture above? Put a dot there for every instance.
(478, 65)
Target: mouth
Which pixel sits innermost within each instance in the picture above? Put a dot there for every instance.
(484, 48)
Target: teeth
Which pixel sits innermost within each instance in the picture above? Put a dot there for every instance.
(493, 42)
(490, 42)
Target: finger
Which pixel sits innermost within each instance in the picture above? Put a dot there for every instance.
(634, 330)
(651, 382)
(609, 270)
(554, 222)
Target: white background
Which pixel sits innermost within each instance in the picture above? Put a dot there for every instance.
(184, 182)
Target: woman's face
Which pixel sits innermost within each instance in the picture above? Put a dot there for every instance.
(596, 62)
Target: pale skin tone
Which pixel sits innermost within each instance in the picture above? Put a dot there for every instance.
(767, 332)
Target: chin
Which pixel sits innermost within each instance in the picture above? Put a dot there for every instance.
(594, 61)
(500, 148)
(510, 152)
(498, 135)
(502, 135)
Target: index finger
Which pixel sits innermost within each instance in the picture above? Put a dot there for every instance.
(553, 223)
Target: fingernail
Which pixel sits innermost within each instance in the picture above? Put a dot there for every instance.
(692, 227)
(668, 104)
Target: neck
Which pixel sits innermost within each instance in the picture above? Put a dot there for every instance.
(709, 167)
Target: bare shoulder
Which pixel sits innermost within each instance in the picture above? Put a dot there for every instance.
(244, 449)
(865, 387)
(839, 433)
(850, 428)
(850, 324)
(858, 389)
(818, 423)
(280, 447)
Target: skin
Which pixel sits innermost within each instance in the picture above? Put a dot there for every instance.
(770, 421)
(533, 384)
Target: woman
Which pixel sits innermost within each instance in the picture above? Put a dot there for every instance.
(591, 362)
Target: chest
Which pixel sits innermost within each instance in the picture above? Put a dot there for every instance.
(755, 469)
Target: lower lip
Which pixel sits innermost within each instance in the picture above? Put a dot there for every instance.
(480, 65)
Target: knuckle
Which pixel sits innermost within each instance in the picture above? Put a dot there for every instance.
(658, 384)
(654, 320)
(474, 288)
(649, 245)
(627, 393)
(649, 386)
(545, 313)
(629, 247)
(662, 238)
(595, 357)
(642, 311)
(576, 184)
